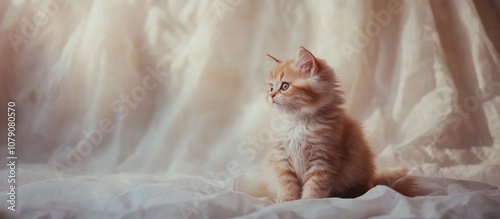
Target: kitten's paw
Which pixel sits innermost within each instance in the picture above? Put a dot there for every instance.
(284, 199)
(314, 196)
(309, 197)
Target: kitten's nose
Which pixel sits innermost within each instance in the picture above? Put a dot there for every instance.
(272, 95)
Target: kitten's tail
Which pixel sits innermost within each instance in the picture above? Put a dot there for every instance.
(398, 181)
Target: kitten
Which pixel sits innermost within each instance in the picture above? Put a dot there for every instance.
(321, 151)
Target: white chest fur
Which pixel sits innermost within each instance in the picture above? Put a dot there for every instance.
(297, 148)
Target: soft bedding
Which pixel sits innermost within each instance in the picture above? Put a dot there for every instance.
(155, 109)
(147, 196)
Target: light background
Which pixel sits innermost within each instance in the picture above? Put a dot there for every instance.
(426, 84)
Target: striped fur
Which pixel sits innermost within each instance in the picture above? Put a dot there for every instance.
(320, 152)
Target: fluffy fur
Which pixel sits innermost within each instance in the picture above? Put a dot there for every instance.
(320, 151)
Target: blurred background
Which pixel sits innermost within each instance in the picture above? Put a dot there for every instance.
(171, 88)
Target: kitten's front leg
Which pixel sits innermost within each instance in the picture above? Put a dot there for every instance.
(289, 187)
(319, 180)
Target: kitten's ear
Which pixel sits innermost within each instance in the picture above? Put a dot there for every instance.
(306, 61)
(275, 59)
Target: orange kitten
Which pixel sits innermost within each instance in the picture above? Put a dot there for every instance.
(321, 151)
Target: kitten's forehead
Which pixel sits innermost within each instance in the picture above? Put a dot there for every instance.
(286, 70)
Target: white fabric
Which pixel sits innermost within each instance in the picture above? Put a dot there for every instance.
(425, 84)
(146, 196)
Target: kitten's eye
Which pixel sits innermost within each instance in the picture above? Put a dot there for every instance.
(285, 86)
(272, 89)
